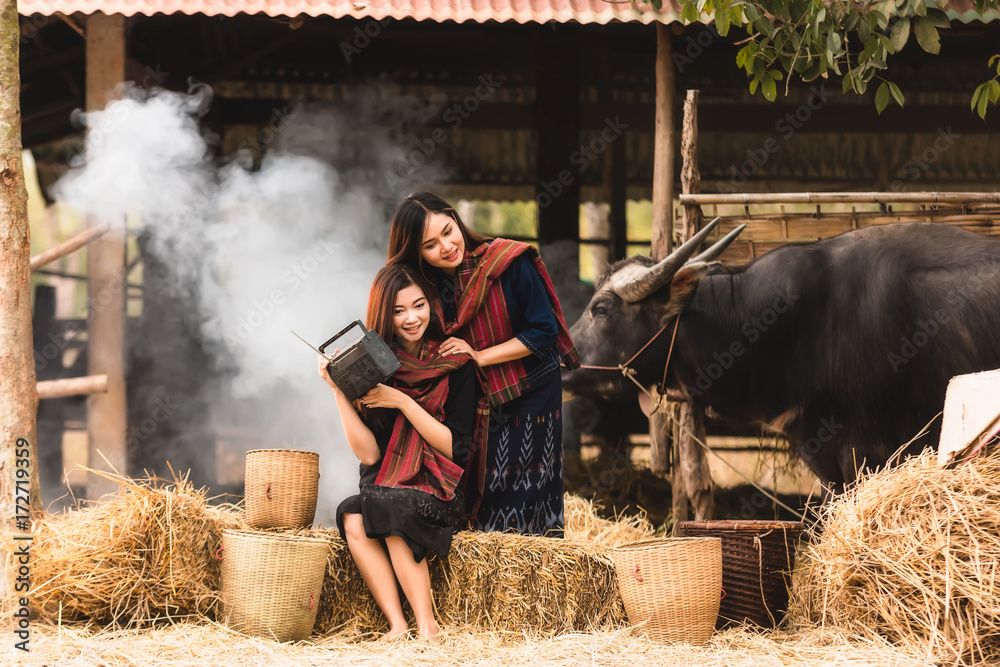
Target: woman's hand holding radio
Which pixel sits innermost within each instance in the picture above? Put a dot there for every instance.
(382, 396)
(324, 373)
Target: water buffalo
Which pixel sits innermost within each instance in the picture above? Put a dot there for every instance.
(845, 346)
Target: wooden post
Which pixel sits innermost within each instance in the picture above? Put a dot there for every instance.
(664, 146)
(106, 412)
(557, 100)
(19, 487)
(619, 199)
(663, 198)
(692, 479)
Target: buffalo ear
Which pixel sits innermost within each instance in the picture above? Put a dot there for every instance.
(686, 280)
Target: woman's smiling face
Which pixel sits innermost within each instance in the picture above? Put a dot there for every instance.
(443, 246)
(410, 316)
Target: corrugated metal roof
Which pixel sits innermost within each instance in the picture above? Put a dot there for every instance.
(479, 11)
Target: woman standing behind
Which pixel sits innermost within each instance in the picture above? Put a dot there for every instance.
(496, 298)
(412, 436)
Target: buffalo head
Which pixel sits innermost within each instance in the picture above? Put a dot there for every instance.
(633, 299)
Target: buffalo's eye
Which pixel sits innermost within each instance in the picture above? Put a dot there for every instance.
(600, 311)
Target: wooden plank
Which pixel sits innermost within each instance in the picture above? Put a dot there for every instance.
(106, 412)
(82, 386)
(841, 198)
(65, 248)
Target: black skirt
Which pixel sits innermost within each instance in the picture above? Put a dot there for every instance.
(424, 521)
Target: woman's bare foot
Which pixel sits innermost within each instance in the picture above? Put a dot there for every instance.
(429, 632)
(394, 633)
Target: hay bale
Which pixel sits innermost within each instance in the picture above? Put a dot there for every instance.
(912, 555)
(502, 581)
(145, 555)
(584, 523)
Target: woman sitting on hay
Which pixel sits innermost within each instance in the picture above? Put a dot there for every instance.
(413, 436)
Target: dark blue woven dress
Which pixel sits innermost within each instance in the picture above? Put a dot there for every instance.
(524, 455)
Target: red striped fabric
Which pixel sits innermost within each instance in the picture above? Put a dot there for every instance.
(410, 462)
(482, 317)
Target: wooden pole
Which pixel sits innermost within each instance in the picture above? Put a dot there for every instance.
(664, 146)
(63, 249)
(82, 386)
(692, 477)
(691, 470)
(19, 485)
(106, 412)
(663, 197)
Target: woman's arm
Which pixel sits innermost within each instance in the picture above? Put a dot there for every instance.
(359, 437)
(434, 432)
(538, 325)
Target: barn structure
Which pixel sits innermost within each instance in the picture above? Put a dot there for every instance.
(560, 102)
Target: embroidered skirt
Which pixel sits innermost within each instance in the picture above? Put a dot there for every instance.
(424, 521)
(524, 463)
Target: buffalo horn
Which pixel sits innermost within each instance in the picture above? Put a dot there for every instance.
(719, 246)
(640, 283)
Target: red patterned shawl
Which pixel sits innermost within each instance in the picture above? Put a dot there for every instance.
(410, 462)
(482, 316)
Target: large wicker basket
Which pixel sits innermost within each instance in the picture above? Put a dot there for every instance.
(757, 560)
(281, 488)
(271, 583)
(672, 586)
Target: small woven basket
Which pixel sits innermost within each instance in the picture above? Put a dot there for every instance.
(281, 488)
(271, 583)
(672, 585)
(757, 560)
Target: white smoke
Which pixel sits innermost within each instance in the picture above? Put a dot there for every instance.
(293, 245)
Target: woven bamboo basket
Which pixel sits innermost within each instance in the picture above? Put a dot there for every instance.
(672, 586)
(281, 488)
(271, 583)
(757, 560)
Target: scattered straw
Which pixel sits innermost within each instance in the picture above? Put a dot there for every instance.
(147, 554)
(913, 555)
(208, 644)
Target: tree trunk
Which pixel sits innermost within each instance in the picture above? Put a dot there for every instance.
(18, 400)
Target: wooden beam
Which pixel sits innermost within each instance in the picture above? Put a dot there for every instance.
(843, 198)
(694, 489)
(106, 415)
(65, 248)
(660, 429)
(81, 386)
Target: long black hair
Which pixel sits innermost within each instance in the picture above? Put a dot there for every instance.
(407, 232)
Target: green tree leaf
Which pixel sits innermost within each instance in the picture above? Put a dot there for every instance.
(882, 98)
(927, 36)
(994, 91)
(689, 12)
(899, 35)
(769, 88)
(981, 107)
(897, 94)
(938, 18)
(980, 89)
